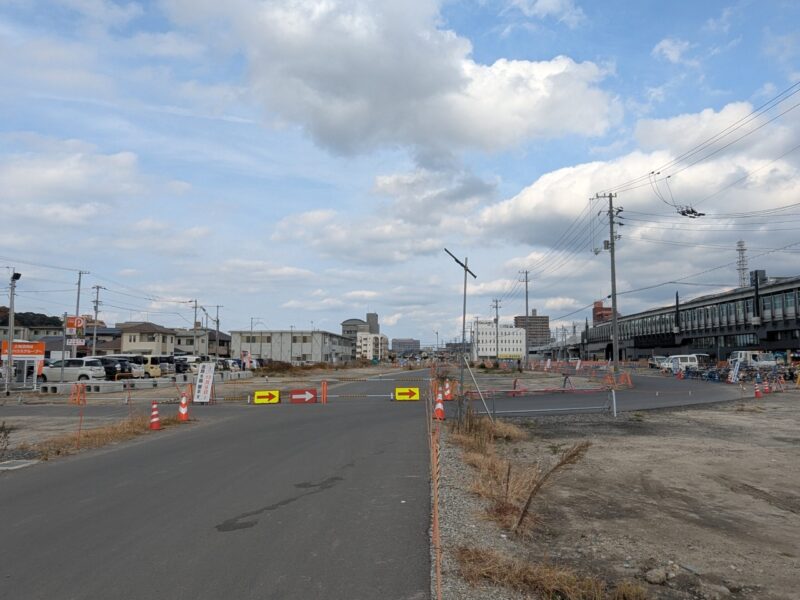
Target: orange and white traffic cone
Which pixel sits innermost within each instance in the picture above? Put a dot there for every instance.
(183, 409)
(766, 387)
(155, 422)
(448, 390)
(757, 391)
(438, 410)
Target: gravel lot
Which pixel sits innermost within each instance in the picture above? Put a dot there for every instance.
(708, 496)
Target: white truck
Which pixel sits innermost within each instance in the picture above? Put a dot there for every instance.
(752, 358)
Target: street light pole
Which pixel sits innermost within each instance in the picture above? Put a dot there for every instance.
(291, 344)
(463, 328)
(10, 355)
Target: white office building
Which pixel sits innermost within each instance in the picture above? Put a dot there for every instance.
(510, 345)
(293, 345)
(372, 346)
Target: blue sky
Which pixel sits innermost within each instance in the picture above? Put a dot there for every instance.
(302, 161)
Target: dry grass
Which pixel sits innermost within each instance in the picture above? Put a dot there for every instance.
(569, 457)
(546, 581)
(477, 434)
(749, 408)
(125, 429)
(503, 483)
(629, 590)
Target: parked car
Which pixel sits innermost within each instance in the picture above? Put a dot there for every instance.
(222, 365)
(654, 362)
(75, 369)
(115, 368)
(233, 364)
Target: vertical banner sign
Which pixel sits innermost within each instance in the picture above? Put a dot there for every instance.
(204, 383)
(733, 376)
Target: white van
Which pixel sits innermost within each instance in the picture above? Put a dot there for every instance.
(680, 362)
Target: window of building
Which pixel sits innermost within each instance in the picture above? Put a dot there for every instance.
(788, 301)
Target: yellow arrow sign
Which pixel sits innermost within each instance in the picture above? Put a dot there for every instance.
(267, 397)
(406, 393)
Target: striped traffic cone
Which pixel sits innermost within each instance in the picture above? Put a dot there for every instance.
(183, 409)
(438, 410)
(757, 391)
(448, 390)
(155, 422)
(766, 387)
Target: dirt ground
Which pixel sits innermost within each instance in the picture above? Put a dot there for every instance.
(708, 497)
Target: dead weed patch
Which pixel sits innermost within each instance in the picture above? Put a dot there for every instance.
(548, 581)
(97, 437)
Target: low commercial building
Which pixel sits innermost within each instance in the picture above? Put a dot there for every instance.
(403, 345)
(503, 343)
(292, 346)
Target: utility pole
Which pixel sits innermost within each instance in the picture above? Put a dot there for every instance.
(216, 333)
(78, 308)
(496, 304)
(97, 289)
(527, 316)
(463, 328)
(612, 219)
(10, 355)
(291, 344)
(194, 330)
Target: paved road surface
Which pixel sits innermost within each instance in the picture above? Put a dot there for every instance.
(259, 502)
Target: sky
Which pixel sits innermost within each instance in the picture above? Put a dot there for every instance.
(299, 163)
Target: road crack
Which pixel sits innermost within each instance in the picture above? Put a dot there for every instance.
(240, 522)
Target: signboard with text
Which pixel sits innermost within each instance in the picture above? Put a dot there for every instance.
(204, 383)
(75, 325)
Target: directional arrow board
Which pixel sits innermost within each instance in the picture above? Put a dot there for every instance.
(406, 393)
(305, 396)
(267, 397)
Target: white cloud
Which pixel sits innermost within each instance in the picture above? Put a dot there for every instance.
(105, 12)
(372, 239)
(361, 295)
(426, 195)
(359, 76)
(169, 44)
(674, 50)
(561, 10)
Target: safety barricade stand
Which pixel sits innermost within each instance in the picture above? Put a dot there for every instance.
(77, 394)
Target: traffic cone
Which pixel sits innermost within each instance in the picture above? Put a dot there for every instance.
(183, 409)
(438, 410)
(448, 390)
(766, 387)
(757, 391)
(155, 422)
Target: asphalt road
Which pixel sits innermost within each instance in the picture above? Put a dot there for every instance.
(285, 501)
(649, 392)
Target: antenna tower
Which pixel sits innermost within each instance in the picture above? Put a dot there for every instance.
(741, 263)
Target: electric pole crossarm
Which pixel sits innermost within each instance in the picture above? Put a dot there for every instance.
(461, 264)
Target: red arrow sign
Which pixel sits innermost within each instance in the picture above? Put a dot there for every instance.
(271, 396)
(305, 396)
(407, 394)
